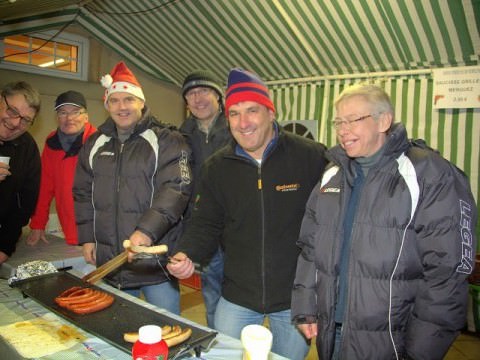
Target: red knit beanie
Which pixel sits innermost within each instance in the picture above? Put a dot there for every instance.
(244, 85)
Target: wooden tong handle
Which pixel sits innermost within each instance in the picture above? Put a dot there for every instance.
(103, 270)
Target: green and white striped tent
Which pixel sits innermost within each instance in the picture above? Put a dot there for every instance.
(307, 50)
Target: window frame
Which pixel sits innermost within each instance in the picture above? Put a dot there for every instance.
(82, 43)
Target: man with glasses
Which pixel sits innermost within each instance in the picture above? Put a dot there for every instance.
(59, 159)
(206, 131)
(20, 178)
(388, 241)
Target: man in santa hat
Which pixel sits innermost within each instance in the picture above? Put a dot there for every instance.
(133, 181)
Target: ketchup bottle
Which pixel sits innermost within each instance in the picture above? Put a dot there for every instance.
(150, 345)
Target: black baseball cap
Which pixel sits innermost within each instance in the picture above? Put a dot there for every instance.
(71, 98)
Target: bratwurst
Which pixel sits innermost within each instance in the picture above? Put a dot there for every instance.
(82, 300)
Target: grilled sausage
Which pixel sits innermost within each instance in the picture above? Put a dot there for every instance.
(180, 338)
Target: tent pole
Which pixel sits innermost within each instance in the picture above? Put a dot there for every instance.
(351, 76)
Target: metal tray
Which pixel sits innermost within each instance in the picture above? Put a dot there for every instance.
(109, 324)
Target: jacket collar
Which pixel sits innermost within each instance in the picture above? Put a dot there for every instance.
(17, 141)
(53, 142)
(190, 125)
(271, 145)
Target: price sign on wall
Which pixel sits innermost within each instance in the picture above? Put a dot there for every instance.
(456, 87)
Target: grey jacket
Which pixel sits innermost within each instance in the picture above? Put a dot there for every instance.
(143, 184)
(412, 249)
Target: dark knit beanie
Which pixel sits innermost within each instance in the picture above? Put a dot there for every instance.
(244, 85)
(201, 78)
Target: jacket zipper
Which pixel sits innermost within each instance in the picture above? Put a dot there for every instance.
(346, 318)
(262, 207)
(117, 185)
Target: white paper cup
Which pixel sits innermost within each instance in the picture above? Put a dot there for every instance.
(256, 341)
(5, 159)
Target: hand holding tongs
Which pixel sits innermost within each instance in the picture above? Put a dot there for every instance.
(103, 270)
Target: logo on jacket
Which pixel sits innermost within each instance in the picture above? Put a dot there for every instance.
(330, 190)
(107, 153)
(184, 169)
(287, 187)
(466, 264)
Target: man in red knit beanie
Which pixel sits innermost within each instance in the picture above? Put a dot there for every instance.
(251, 199)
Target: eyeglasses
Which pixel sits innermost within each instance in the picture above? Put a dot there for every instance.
(72, 115)
(338, 123)
(201, 92)
(12, 113)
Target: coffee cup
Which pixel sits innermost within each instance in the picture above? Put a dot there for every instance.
(256, 342)
(5, 159)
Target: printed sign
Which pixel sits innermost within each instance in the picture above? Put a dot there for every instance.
(457, 88)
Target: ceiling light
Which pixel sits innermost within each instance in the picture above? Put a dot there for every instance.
(50, 63)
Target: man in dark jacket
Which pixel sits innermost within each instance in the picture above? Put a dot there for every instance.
(20, 176)
(251, 200)
(387, 241)
(132, 182)
(206, 131)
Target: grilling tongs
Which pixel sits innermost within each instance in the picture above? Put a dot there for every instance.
(100, 272)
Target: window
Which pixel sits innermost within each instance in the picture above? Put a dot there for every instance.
(64, 56)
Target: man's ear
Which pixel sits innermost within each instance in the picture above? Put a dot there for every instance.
(271, 113)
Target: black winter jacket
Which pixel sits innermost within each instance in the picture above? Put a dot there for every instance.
(203, 145)
(254, 212)
(143, 184)
(19, 191)
(412, 248)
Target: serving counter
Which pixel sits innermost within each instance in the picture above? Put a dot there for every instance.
(17, 306)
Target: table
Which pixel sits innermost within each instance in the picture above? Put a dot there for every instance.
(14, 308)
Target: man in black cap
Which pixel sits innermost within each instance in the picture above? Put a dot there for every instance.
(206, 131)
(59, 159)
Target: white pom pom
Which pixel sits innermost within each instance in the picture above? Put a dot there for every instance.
(106, 81)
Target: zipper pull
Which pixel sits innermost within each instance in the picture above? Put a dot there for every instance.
(259, 181)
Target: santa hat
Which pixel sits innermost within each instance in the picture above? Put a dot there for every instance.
(244, 85)
(121, 79)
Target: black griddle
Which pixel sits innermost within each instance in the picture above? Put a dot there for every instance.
(109, 324)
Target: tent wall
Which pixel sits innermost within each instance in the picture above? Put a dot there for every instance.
(455, 133)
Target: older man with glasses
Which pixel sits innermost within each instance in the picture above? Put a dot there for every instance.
(19, 163)
(59, 160)
(388, 241)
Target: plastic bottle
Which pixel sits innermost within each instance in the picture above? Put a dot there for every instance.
(150, 345)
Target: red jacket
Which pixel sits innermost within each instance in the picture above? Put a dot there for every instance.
(58, 171)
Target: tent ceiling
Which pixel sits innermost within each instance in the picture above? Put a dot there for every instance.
(279, 39)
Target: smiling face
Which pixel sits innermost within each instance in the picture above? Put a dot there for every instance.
(251, 125)
(365, 137)
(203, 103)
(125, 109)
(71, 119)
(11, 125)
